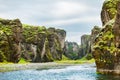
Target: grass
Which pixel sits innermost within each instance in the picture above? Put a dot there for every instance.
(23, 61)
(65, 60)
(4, 63)
(75, 61)
(9, 66)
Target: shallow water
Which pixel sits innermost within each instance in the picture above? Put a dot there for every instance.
(80, 72)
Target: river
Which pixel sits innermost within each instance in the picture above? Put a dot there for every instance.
(77, 72)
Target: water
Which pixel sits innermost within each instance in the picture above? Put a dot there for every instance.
(80, 72)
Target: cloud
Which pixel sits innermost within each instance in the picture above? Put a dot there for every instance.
(68, 8)
(75, 36)
(77, 17)
(89, 19)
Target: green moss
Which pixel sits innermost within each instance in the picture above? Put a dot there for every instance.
(98, 72)
(28, 35)
(81, 61)
(2, 57)
(23, 61)
(89, 56)
(5, 29)
(48, 54)
(111, 6)
(65, 58)
(31, 33)
(104, 48)
(6, 38)
(57, 44)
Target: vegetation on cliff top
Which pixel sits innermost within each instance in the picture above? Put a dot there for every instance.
(66, 60)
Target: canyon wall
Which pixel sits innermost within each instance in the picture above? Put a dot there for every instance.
(31, 43)
(71, 50)
(106, 47)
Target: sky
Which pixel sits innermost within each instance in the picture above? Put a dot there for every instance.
(76, 17)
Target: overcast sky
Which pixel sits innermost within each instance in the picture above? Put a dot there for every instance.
(77, 17)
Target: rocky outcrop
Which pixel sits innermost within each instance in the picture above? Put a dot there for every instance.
(106, 48)
(32, 43)
(94, 32)
(10, 40)
(108, 10)
(61, 35)
(86, 42)
(85, 46)
(71, 50)
(43, 45)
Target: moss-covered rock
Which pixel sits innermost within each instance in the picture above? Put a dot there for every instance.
(106, 47)
(109, 10)
(10, 39)
(46, 42)
(32, 43)
(85, 45)
(71, 50)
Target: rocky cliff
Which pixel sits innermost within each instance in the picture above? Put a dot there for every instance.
(10, 40)
(106, 48)
(94, 32)
(32, 43)
(71, 50)
(85, 45)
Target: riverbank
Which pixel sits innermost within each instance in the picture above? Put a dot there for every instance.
(14, 67)
(81, 61)
(5, 67)
(75, 72)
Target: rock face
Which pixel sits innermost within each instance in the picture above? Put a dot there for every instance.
(85, 46)
(108, 10)
(43, 45)
(32, 43)
(95, 31)
(106, 48)
(10, 40)
(86, 42)
(71, 50)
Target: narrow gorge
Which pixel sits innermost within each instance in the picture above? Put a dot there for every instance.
(42, 47)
